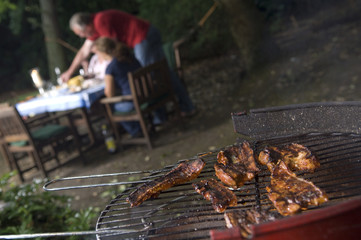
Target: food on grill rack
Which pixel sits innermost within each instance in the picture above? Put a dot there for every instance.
(220, 196)
(184, 172)
(244, 219)
(296, 157)
(236, 165)
(233, 176)
(290, 194)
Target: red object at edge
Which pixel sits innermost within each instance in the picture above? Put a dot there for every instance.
(341, 221)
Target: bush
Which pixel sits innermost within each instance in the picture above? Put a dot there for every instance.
(28, 209)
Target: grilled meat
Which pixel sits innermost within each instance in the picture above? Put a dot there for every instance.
(231, 175)
(290, 194)
(229, 155)
(244, 219)
(264, 158)
(236, 165)
(296, 156)
(184, 172)
(220, 196)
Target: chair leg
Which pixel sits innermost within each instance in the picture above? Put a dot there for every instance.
(89, 126)
(78, 143)
(145, 133)
(54, 153)
(5, 154)
(17, 167)
(115, 131)
(39, 163)
(151, 128)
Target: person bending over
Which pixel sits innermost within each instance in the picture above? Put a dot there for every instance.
(136, 33)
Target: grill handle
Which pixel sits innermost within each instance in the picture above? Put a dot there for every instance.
(69, 179)
(150, 173)
(64, 234)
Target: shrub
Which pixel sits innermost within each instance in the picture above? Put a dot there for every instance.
(28, 209)
(175, 19)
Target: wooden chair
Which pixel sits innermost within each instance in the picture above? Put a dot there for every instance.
(151, 88)
(29, 122)
(4, 152)
(3, 143)
(28, 148)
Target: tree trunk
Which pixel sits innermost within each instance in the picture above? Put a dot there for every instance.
(55, 52)
(246, 24)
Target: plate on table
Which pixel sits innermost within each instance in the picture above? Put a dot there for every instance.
(91, 82)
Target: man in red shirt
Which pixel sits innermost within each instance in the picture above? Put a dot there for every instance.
(136, 33)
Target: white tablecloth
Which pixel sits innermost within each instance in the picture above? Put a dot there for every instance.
(63, 101)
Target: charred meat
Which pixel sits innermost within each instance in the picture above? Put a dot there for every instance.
(244, 219)
(290, 194)
(296, 157)
(233, 176)
(184, 172)
(265, 158)
(220, 196)
(236, 165)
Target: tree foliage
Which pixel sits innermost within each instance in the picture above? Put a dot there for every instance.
(24, 45)
(176, 18)
(5, 6)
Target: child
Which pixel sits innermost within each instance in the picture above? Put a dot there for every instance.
(116, 78)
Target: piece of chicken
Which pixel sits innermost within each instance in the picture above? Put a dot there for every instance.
(295, 156)
(236, 165)
(220, 196)
(244, 219)
(291, 194)
(184, 172)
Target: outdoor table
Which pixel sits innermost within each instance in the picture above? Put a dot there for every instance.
(64, 100)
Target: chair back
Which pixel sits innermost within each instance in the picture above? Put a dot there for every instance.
(12, 127)
(150, 84)
(44, 143)
(151, 89)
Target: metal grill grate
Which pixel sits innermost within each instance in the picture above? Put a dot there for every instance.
(181, 213)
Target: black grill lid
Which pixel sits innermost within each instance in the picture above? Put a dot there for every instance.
(330, 117)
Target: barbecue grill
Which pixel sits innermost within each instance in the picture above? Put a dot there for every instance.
(330, 130)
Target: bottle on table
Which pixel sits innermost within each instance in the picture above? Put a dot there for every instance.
(58, 78)
(108, 139)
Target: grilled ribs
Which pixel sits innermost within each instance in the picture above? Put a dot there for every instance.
(220, 196)
(184, 172)
(236, 165)
(290, 194)
(296, 157)
(244, 219)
